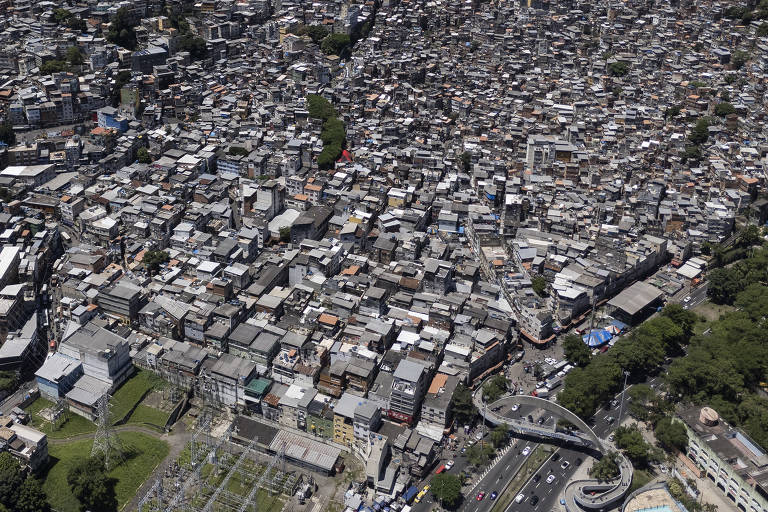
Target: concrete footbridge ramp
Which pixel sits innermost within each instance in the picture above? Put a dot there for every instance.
(587, 494)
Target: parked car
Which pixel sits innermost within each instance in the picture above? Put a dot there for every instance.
(555, 457)
(449, 464)
(519, 498)
(536, 477)
(534, 500)
(550, 479)
(565, 464)
(515, 408)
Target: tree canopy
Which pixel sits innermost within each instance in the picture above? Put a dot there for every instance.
(121, 30)
(671, 434)
(539, 285)
(143, 156)
(7, 135)
(446, 488)
(499, 435)
(618, 68)
(335, 44)
(153, 259)
(461, 404)
(479, 454)
(88, 481)
(723, 109)
(576, 351)
(700, 132)
(495, 388)
(19, 492)
(640, 353)
(606, 468)
(316, 32)
(638, 451)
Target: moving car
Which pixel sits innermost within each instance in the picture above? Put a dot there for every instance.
(480, 496)
(515, 407)
(550, 479)
(493, 495)
(565, 464)
(526, 451)
(442, 468)
(519, 498)
(449, 464)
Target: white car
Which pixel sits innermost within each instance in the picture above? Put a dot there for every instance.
(526, 451)
(550, 479)
(687, 299)
(520, 497)
(515, 407)
(449, 464)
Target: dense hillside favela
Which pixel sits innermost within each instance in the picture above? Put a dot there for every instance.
(383, 256)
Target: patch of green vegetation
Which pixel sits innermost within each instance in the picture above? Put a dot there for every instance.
(132, 391)
(69, 425)
(146, 453)
(639, 479)
(149, 416)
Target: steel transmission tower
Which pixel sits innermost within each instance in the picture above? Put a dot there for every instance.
(106, 443)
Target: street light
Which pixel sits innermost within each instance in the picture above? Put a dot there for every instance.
(621, 407)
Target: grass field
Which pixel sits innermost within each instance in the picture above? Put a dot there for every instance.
(132, 391)
(145, 415)
(145, 453)
(264, 500)
(73, 424)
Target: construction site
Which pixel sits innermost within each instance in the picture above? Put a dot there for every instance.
(221, 473)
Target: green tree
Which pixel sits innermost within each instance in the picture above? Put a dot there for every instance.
(9, 380)
(11, 479)
(466, 160)
(7, 135)
(499, 435)
(672, 111)
(192, 44)
(316, 32)
(637, 450)
(75, 56)
(153, 259)
(446, 488)
(319, 107)
(31, 497)
(700, 132)
(285, 234)
(539, 285)
(739, 58)
(463, 408)
(88, 481)
(121, 30)
(723, 109)
(52, 66)
(576, 351)
(335, 44)
(479, 454)
(671, 434)
(750, 236)
(618, 68)
(606, 468)
(238, 151)
(61, 16)
(143, 156)
(691, 153)
(495, 388)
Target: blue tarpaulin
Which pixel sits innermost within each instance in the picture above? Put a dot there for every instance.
(410, 493)
(597, 337)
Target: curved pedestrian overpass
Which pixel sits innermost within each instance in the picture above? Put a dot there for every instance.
(587, 494)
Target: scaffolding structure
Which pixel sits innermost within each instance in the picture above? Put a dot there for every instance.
(230, 482)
